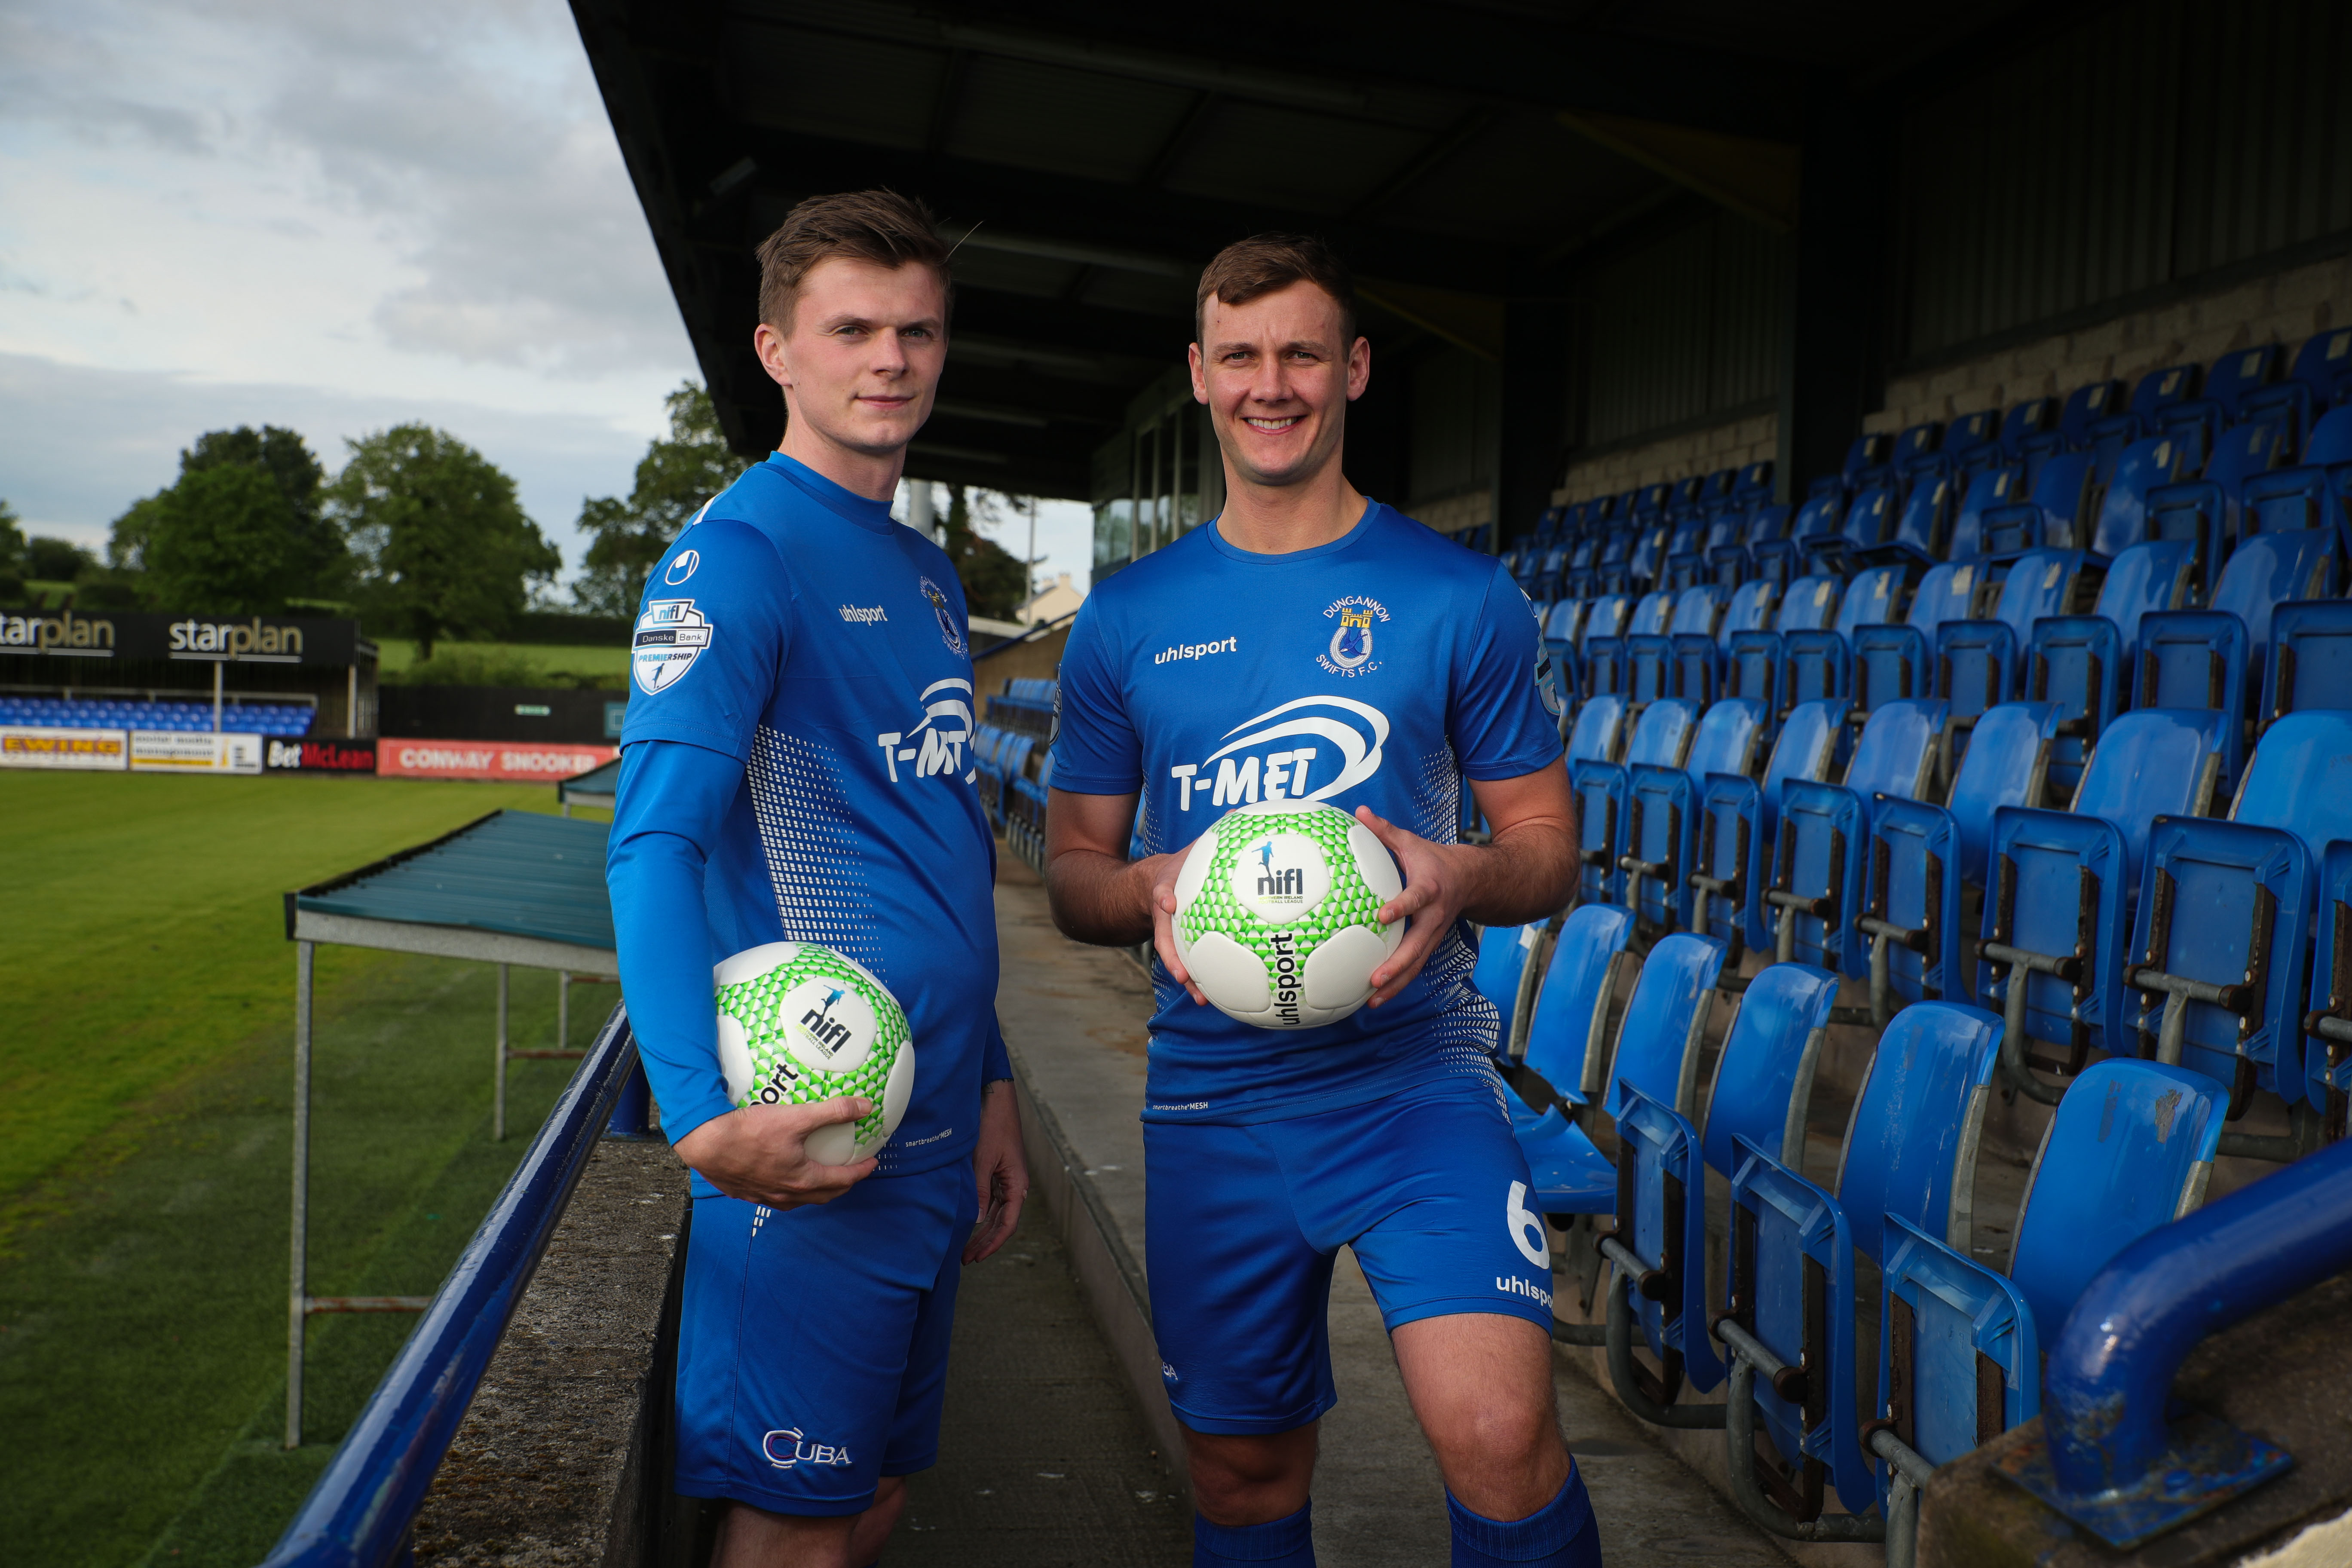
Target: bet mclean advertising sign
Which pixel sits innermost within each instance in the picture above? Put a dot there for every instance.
(510, 763)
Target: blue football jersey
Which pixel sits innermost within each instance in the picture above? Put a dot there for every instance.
(796, 766)
(1379, 669)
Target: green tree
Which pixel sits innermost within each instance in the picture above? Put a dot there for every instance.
(55, 560)
(443, 545)
(995, 583)
(677, 475)
(225, 541)
(240, 531)
(12, 555)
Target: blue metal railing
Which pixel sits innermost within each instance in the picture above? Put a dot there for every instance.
(359, 1513)
(2113, 1462)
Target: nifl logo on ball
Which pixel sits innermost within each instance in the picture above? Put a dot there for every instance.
(683, 568)
(787, 1446)
(1272, 883)
(948, 630)
(825, 1031)
(1355, 730)
(670, 635)
(1351, 651)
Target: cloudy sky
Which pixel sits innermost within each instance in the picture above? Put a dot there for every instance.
(330, 215)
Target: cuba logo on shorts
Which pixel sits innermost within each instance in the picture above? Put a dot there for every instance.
(787, 1446)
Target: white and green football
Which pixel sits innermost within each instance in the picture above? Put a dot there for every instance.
(799, 1022)
(1277, 912)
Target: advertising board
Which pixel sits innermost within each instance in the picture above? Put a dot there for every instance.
(89, 751)
(320, 756)
(200, 752)
(504, 762)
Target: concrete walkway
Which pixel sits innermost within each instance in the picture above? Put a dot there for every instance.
(1075, 1019)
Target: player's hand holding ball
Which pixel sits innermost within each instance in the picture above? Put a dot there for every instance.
(1273, 917)
(820, 1066)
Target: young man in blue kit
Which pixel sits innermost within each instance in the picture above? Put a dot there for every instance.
(1336, 651)
(795, 767)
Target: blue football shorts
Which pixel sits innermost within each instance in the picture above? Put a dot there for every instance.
(1243, 1223)
(812, 1342)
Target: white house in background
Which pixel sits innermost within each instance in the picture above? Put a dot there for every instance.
(1052, 603)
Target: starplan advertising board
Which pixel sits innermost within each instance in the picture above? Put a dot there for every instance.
(207, 639)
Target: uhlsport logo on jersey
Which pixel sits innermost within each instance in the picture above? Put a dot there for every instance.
(670, 635)
(1350, 652)
(682, 567)
(936, 745)
(788, 1447)
(948, 630)
(1311, 748)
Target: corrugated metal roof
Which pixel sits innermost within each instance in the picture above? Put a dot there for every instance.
(515, 872)
(604, 782)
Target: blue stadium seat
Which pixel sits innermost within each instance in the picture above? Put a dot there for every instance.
(2124, 519)
(1993, 487)
(1922, 529)
(1662, 736)
(1909, 1155)
(2211, 657)
(1980, 663)
(1502, 960)
(2024, 421)
(2084, 663)
(2084, 407)
(1817, 663)
(2062, 884)
(2206, 510)
(1822, 844)
(1924, 859)
(2313, 493)
(2130, 1148)
(2220, 402)
(1658, 840)
(1763, 1082)
(2315, 382)
(1755, 660)
(1894, 662)
(2328, 1026)
(2048, 515)
(1740, 820)
(1566, 1054)
(1598, 731)
(2310, 659)
(1861, 534)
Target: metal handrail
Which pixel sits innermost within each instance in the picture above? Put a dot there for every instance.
(360, 1512)
(2113, 1462)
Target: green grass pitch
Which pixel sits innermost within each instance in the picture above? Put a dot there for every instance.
(144, 1127)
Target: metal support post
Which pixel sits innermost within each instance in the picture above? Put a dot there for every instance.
(563, 998)
(499, 1085)
(298, 1302)
(216, 696)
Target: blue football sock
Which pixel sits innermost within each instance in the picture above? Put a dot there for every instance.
(1288, 1543)
(1560, 1534)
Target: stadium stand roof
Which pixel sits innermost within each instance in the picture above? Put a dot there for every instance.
(1468, 158)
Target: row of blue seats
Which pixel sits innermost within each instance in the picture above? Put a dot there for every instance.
(1868, 877)
(2047, 626)
(2195, 405)
(1846, 850)
(2100, 502)
(2130, 1148)
(78, 713)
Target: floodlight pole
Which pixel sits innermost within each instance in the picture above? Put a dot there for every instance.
(298, 1302)
(216, 696)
